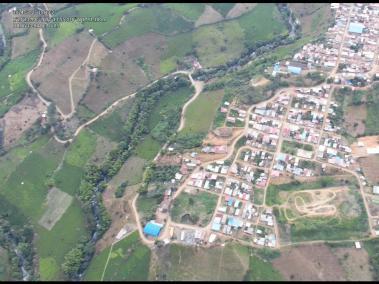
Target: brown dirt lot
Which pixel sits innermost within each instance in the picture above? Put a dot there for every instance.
(120, 75)
(309, 263)
(99, 52)
(239, 9)
(355, 262)
(20, 117)
(370, 167)
(23, 44)
(120, 211)
(216, 140)
(209, 16)
(57, 66)
(355, 115)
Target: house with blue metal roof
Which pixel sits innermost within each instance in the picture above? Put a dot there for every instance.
(356, 28)
(152, 229)
(293, 70)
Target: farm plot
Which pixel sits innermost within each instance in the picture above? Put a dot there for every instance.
(309, 263)
(57, 203)
(370, 167)
(69, 175)
(131, 172)
(209, 16)
(183, 263)
(129, 260)
(318, 214)
(24, 44)
(154, 19)
(130, 66)
(20, 118)
(194, 208)
(190, 11)
(239, 9)
(52, 77)
(12, 80)
(200, 113)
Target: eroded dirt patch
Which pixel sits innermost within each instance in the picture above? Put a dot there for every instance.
(309, 263)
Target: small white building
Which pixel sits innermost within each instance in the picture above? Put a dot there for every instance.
(357, 245)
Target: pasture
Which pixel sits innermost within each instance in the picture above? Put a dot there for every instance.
(129, 260)
(185, 263)
(57, 204)
(194, 208)
(200, 113)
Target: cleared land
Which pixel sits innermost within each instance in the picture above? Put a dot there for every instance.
(52, 77)
(309, 263)
(57, 203)
(182, 263)
(129, 260)
(200, 113)
(194, 208)
(20, 118)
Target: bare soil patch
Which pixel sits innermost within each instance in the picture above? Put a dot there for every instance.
(121, 213)
(209, 16)
(103, 146)
(354, 117)
(213, 139)
(127, 68)
(52, 77)
(370, 166)
(259, 82)
(57, 204)
(309, 263)
(23, 44)
(355, 262)
(20, 117)
(99, 52)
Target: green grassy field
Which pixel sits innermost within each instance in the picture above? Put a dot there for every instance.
(4, 265)
(199, 207)
(129, 261)
(291, 147)
(26, 187)
(147, 204)
(223, 8)
(260, 270)
(219, 43)
(111, 12)
(262, 23)
(200, 113)
(190, 11)
(12, 79)
(66, 232)
(130, 172)
(141, 21)
(24, 195)
(185, 263)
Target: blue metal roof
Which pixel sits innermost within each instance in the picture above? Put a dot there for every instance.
(356, 28)
(294, 70)
(216, 226)
(152, 229)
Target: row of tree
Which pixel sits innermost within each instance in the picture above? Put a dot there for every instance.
(96, 177)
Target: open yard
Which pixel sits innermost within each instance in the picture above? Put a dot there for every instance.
(194, 208)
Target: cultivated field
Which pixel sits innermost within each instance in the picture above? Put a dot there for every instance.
(57, 204)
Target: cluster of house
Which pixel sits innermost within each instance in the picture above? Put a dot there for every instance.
(218, 167)
(287, 163)
(251, 174)
(236, 116)
(274, 109)
(334, 151)
(238, 189)
(258, 158)
(221, 149)
(206, 180)
(264, 124)
(261, 140)
(358, 48)
(307, 118)
(301, 134)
